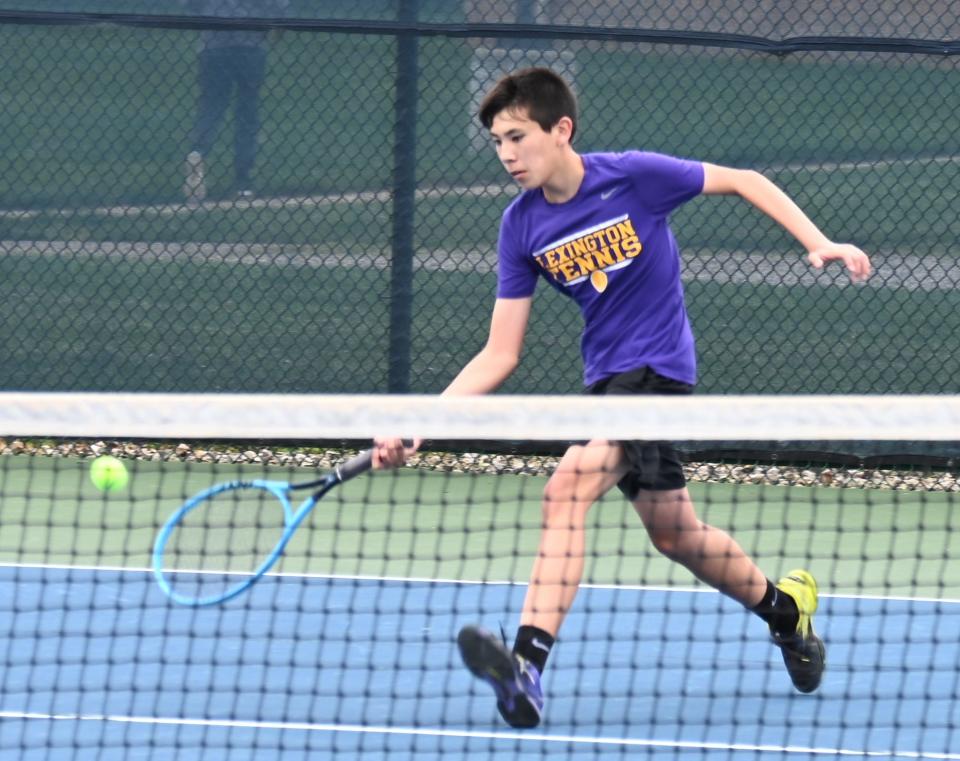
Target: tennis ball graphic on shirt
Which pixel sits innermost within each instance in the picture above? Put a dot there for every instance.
(598, 279)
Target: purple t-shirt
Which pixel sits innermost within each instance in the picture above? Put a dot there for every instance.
(611, 249)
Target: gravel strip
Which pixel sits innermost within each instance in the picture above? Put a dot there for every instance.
(917, 479)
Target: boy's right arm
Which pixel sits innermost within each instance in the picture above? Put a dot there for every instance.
(501, 354)
(482, 374)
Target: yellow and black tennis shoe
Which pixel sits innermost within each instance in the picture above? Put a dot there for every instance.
(803, 651)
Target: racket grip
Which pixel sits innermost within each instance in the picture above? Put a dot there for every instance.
(355, 466)
(361, 463)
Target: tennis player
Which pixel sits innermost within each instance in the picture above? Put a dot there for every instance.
(595, 227)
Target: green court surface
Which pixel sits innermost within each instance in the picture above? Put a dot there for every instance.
(144, 308)
(176, 324)
(325, 114)
(421, 524)
(876, 117)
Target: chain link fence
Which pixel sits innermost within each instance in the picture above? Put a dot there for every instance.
(204, 199)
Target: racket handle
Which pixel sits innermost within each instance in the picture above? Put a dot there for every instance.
(355, 466)
(361, 463)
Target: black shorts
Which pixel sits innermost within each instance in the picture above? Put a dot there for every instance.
(654, 465)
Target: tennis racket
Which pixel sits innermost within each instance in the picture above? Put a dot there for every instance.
(230, 526)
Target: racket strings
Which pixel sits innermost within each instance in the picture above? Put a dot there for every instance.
(223, 541)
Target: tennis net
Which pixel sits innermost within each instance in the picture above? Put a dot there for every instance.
(347, 648)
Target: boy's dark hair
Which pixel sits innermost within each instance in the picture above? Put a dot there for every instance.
(545, 95)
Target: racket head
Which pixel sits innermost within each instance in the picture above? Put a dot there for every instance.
(222, 540)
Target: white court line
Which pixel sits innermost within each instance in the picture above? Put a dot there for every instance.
(278, 202)
(386, 196)
(911, 272)
(841, 166)
(471, 734)
(463, 582)
(527, 737)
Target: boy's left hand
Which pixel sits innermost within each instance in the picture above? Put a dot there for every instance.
(857, 262)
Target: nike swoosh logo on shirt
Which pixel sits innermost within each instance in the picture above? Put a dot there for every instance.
(606, 195)
(539, 645)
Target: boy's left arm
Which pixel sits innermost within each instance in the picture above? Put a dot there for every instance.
(772, 201)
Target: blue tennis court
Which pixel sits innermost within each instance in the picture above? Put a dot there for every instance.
(301, 667)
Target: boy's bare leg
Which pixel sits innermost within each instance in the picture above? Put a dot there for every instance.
(709, 553)
(584, 475)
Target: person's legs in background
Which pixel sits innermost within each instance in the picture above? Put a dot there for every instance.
(215, 82)
(249, 67)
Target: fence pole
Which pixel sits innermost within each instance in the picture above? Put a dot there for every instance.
(404, 186)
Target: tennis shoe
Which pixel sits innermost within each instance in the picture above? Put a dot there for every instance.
(514, 679)
(803, 652)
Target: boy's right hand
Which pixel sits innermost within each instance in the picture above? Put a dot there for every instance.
(392, 453)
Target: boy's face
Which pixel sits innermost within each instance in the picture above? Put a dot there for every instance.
(528, 153)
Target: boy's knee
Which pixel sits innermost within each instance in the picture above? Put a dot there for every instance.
(665, 542)
(560, 502)
(672, 541)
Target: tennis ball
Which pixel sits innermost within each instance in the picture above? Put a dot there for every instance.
(108, 473)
